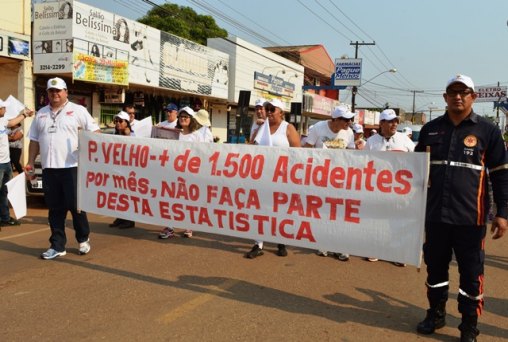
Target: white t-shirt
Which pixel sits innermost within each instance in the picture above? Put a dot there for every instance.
(321, 132)
(397, 142)
(167, 124)
(59, 149)
(4, 141)
(199, 135)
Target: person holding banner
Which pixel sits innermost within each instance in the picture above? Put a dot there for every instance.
(466, 151)
(389, 139)
(275, 131)
(190, 132)
(171, 116)
(5, 161)
(122, 127)
(333, 133)
(54, 134)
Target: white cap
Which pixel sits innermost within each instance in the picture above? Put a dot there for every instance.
(187, 110)
(388, 115)
(203, 118)
(56, 83)
(342, 111)
(3, 104)
(357, 128)
(122, 115)
(373, 131)
(466, 80)
(260, 102)
(407, 131)
(275, 103)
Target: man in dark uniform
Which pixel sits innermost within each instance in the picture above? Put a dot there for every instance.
(465, 151)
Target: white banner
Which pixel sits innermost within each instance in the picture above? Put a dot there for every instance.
(358, 202)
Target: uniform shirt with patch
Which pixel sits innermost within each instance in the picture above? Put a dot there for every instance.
(462, 159)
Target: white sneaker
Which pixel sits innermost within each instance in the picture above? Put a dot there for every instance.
(84, 247)
(51, 254)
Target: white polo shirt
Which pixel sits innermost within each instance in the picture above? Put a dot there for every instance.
(60, 149)
(397, 142)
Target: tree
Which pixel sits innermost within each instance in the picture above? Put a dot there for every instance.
(183, 22)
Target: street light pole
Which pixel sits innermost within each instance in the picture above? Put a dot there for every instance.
(355, 89)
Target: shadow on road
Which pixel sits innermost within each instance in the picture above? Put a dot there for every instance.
(377, 310)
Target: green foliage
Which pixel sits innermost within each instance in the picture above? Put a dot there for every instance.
(183, 22)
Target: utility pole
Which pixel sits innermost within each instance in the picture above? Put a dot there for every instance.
(414, 108)
(355, 88)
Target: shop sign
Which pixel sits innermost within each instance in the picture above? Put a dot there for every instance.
(317, 104)
(14, 45)
(273, 85)
(348, 71)
(491, 94)
(100, 70)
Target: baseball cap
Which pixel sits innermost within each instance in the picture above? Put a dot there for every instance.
(260, 102)
(388, 115)
(373, 131)
(187, 110)
(56, 83)
(466, 80)
(407, 131)
(122, 115)
(3, 104)
(170, 107)
(203, 118)
(342, 111)
(357, 128)
(275, 103)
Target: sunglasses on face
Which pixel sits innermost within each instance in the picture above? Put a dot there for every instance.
(118, 120)
(270, 109)
(461, 92)
(185, 117)
(344, 119)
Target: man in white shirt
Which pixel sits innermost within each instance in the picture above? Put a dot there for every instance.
(335, 131)
(54, 134)
(171, 116)
(5, 162)
(388, 138)
(129, 109)
(259, 119)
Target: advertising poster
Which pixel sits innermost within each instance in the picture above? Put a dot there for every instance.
(52, 37)
(193, 68)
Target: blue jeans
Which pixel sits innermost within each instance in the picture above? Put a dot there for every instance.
(5, 176)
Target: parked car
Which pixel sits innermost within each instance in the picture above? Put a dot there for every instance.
(34, 187)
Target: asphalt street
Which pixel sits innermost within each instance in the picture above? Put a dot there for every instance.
(135, 287)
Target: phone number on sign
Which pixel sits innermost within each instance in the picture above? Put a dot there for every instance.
(52, 67)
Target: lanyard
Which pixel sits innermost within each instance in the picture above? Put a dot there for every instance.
(55, 115)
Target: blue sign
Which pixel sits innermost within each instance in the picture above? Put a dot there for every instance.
(348, 72)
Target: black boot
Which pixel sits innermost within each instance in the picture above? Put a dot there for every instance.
(435, 319)
(467, 327)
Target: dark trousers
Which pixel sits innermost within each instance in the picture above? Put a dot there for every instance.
(15, 159)
(5, 176)
(466, 242)
(60, 194)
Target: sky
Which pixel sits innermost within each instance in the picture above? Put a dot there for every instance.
(428, 42)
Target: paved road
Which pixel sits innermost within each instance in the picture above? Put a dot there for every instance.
(134, 287)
